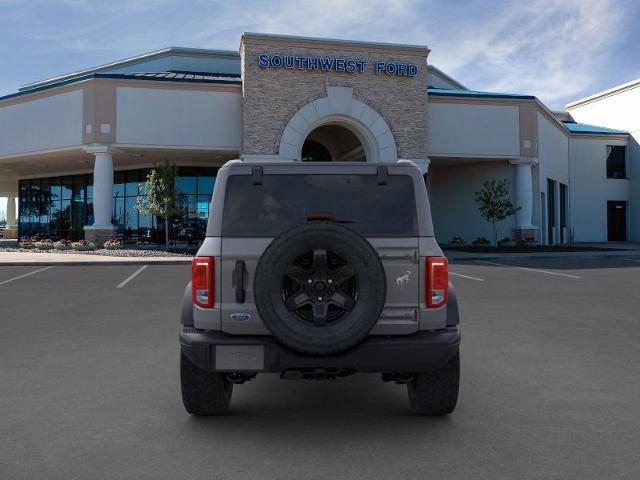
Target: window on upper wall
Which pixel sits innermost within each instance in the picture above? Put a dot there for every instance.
(616, 161)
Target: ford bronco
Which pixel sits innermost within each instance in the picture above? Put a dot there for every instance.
(319, 270)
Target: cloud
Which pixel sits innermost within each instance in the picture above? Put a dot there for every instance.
(349, 19)
(558, 50)
(555, 50)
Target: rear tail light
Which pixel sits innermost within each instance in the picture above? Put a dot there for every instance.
(437, 281)
(202, 284)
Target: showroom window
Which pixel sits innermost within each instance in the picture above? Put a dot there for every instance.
(60, 207)
(616, 161)
(56, 207)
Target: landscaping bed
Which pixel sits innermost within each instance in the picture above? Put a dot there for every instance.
(121, 252)
(111, 248)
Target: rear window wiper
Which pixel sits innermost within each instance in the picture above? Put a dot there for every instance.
(327, 216)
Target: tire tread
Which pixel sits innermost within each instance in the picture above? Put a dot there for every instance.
(435, 393)
(203, 393)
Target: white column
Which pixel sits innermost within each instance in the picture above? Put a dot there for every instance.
(102, 190)
(11, 212)
(102, 186)
(524, 192)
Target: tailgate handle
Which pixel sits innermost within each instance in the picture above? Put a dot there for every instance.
(238, 281)
(383, 173)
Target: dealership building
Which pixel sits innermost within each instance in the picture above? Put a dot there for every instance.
(75, 149)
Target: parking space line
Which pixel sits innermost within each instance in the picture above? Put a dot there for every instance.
(632, 259)
(25, 275)
(528, 269)
(132, 276)
(466, 276)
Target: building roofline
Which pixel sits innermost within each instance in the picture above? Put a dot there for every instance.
(447, 77)
(120, 76)
(587, 128)
(445, 92)
(604, 93)
(131, 61)
(335, 41)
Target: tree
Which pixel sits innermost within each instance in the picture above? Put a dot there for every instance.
(494, 203)
(160, 199)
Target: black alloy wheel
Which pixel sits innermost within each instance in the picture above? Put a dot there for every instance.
(320, 287)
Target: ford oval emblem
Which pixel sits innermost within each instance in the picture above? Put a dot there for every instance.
(240, 317)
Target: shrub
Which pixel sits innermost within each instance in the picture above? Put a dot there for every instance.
(457, 240)
(505, 240)
(62, 245)
(46, 244)
(481, 241)
(83, 245)
(26, 242)
(112, 244)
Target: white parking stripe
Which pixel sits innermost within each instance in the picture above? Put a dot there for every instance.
(25, 275)
(132, 276)
(529, 269)
(466, 276)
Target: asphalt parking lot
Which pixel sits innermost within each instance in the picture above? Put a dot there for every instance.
(550, 385)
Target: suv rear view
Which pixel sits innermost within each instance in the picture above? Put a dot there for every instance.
(319, 270)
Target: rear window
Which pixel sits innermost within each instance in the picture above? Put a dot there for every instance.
(282, 201)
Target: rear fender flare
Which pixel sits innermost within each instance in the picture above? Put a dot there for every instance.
(186, 309)
(453, 314)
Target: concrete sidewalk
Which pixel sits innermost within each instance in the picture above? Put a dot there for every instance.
(36, 259)
(456, 255)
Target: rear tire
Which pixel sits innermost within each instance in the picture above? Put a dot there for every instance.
(435, 393)
(203, 393)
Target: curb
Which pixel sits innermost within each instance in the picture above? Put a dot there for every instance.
(497, 256)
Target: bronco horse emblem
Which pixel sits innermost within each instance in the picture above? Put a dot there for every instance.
(402, 280)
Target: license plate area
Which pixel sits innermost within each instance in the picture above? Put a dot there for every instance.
(239, 357)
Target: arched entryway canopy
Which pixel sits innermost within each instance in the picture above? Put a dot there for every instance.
(338, 126)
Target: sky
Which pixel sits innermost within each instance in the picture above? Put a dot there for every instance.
(558, 50)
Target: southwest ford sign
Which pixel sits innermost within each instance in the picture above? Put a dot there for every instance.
(334, 64)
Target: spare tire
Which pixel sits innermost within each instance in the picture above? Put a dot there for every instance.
(319, 288)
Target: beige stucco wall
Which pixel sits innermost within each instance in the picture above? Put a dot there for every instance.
(272, 96)
(44, 123)
(453, 207)
(178, 117)
(473, 129)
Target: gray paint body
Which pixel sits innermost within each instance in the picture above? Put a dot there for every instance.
(404, 311)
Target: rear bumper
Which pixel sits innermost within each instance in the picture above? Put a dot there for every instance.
(419, 352)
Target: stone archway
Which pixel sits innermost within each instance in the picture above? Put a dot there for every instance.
(334, 141)
(339, 108)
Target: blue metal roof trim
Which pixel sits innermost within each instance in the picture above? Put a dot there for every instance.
(174, 77)
(445, 92)
(575, 127)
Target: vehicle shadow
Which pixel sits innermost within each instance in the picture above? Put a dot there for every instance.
(352, 407)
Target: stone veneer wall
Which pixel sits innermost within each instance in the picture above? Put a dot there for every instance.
(271, 96)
